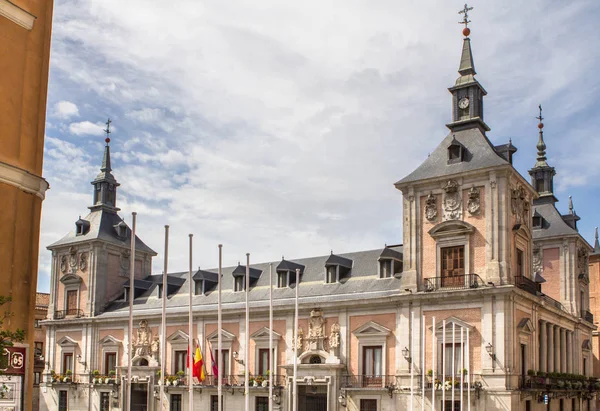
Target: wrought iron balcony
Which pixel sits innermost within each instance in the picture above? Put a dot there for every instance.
(72, 312)
(238, 380)
(368, 381)
(454, 282)
(587, 316)
(526, 284)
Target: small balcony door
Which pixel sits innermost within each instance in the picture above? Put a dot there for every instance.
(71, 302)
(372, 366)
(453, 267)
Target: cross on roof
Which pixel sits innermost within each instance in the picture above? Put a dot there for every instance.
(540, 116)
(107, 131)
(465, 11)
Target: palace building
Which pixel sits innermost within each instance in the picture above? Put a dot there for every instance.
(485, 305)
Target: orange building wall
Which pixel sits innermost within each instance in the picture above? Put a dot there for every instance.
(594, 287)
(551, 272)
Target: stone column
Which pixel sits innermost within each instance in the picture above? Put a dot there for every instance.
(543, 346)
(569, 352)
(557, 353)
(550, 348)
(563, 350)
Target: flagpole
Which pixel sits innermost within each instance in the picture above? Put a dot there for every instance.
(271, 337)
(219, 333)
(131, 295)
(246, 339)
(190, 338)
(295, 396)
(163, 323)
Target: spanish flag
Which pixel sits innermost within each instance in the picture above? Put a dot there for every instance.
(198, 370)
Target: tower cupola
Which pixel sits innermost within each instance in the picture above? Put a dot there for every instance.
(467, 93)
(105, 184)
(542, 175)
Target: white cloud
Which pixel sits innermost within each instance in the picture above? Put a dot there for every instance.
(278, 130)
(65, 109)
(85, 128)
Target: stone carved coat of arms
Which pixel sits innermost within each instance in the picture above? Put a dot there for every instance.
(452, 202)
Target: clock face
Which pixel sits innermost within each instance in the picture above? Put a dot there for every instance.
(463, 103)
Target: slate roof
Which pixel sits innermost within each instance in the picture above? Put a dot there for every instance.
(480, 154)
(553, 225)
(363, 279)
(102, 224)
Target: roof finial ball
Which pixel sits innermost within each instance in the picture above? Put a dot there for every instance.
(107, 131)
(466, 31)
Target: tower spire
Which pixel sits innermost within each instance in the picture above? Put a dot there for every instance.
(466, 59)
(541, 146)
(105, 184)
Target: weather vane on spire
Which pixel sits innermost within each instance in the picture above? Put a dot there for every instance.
(465, 21)
(107, 131)
(540, 118)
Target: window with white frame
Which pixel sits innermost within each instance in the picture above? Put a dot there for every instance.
(372, 346)
(452, 346)
(227, 340)
(261, 344)
(178, 342)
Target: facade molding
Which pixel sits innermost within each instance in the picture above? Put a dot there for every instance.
(17, 15)
(22, 179)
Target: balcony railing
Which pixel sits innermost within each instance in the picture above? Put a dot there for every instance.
(72, 312)
(558, 382)
(238, 380)
(526, 284)
(368, 381)
(454, 282)
(552, 301)
(587, 316)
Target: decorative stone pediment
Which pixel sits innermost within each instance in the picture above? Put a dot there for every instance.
(225, 336)
(263, 335)
(178, 337)
(526, 326)
(109, 340)
(69, 279)
(451, 228)
(67, 341)
(371, 329)
(450, 322)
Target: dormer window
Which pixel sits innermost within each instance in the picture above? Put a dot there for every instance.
(160, 291)
(239, 284)
(390, 262)
(538, 220)
(82, 227)
(337, 268)
(286, 273)
(199, 287)
(121, 230)
(455, 152)
(282, 279)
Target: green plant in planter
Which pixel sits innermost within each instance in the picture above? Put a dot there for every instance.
(560, 383)
(180, 374)
(429, 373)
(69, 373)
(531, 372)
(465, 371)
(96, 373)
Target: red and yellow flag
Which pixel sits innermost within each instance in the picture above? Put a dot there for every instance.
(198, 370)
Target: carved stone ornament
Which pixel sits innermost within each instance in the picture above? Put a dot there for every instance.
(431, 208)
(519, 204)
(316, 324)
(537, 261)
(73, 258)
(299, 344)
(474, 203)
(452, 201)
(125, 260)
(63, 263)
(334, 338)
(582, 260)
(143, 341)
(83, 261)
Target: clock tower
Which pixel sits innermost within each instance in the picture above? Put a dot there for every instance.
(467, 93)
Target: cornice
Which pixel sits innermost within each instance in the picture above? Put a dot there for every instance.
(16, 14)
(22, 179)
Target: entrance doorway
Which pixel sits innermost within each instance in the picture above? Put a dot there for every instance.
(139, 397)
(312, 398)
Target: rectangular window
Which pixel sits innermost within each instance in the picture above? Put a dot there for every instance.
(263, 361)
(239, 283)
(199, 287)
(104, 401)
(62, 401)
(582, 300)
(67, 363)
(214, 403)
(282, 279)
(372, 366)
(458, 364)
(386, 268)
(225, 361)
(175, 402)
(523, 360)
(585, 366)
(38, 348)
(368, 405)
(71, 302)
(331, 274)
(453, 266)
(520, 264)
(110, 362)
(448, 406)
(179, 359)
(262, 404)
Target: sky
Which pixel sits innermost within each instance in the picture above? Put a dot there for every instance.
(278, 128)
